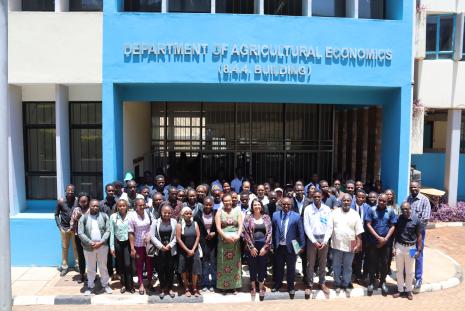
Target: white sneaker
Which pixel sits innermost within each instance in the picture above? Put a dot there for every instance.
(108, 290)
(88, 292)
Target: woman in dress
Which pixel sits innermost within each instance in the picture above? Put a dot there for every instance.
(257, 235)
(119, 245)
(163, 236)
(229, 229)
(81, 209)
(188, 238)
(139, 235)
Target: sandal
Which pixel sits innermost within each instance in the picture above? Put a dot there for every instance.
(187, 293)
(141, 291)
(197, 293)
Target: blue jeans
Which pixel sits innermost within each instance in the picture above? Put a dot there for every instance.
(209, 267)
(419, 260)
(342, 265)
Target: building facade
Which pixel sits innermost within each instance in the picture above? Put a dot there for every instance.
(194, 89)
(439, 135)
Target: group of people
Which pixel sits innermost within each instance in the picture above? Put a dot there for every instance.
(200, 238)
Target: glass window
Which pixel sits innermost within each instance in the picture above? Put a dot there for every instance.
(330, 8)
(440, 32)
(283, 7)
(85, 5)
(189, 6)
(142, 5)
(38, 5)
(373, 9)
(86, 147)
(40, 153)
(235, 6)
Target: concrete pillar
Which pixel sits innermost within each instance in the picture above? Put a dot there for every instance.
(420, 34)
(61, 5)
(451, 174)
(352, 8)
(14, 5)
(5, 255)
(306, 7)
(353, 164)
(259, 7)
(395, 157)
(213, 6)
(112, 134)
(459, 30)
(363, 173)
(378, 148)
(345, 115)
(336, 142)
(16, 151)
(164, 6)
(62, 139)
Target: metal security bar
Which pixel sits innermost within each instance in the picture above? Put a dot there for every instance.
(202, 141)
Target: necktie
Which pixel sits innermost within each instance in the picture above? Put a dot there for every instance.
(283, 227)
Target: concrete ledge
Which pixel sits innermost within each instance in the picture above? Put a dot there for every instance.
(73, 300)
(437, 225)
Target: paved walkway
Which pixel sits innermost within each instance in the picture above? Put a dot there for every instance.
(41, 285)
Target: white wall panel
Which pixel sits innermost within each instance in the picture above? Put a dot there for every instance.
(51, 47)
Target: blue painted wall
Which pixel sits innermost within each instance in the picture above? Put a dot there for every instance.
(35, 241)
(432, 167)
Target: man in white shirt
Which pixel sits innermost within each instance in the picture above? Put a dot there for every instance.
(316, 219)
(94, 231)
(347, 227)
(261, 195)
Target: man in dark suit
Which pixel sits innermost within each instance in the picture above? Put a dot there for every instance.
(299, 203)
(362, 208)
(287, 226)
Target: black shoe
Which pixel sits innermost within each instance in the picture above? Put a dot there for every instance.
(384, 289)
(292, 294)
(370, 289)
(350, 286)
(308, 293)
(275, 289)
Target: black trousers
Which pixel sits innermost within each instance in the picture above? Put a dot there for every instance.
(378, 261)
(110, 263)
(257, 264)
(80, 253)
(303, 257)
(124, 262)
(165, 264)
(283, 257)
(360, 260)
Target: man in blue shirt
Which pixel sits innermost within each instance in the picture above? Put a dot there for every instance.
(380, 222)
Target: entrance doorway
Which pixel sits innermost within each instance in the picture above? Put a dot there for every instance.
(199, 142)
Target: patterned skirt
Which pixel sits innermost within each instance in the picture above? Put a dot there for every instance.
(228, 266)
